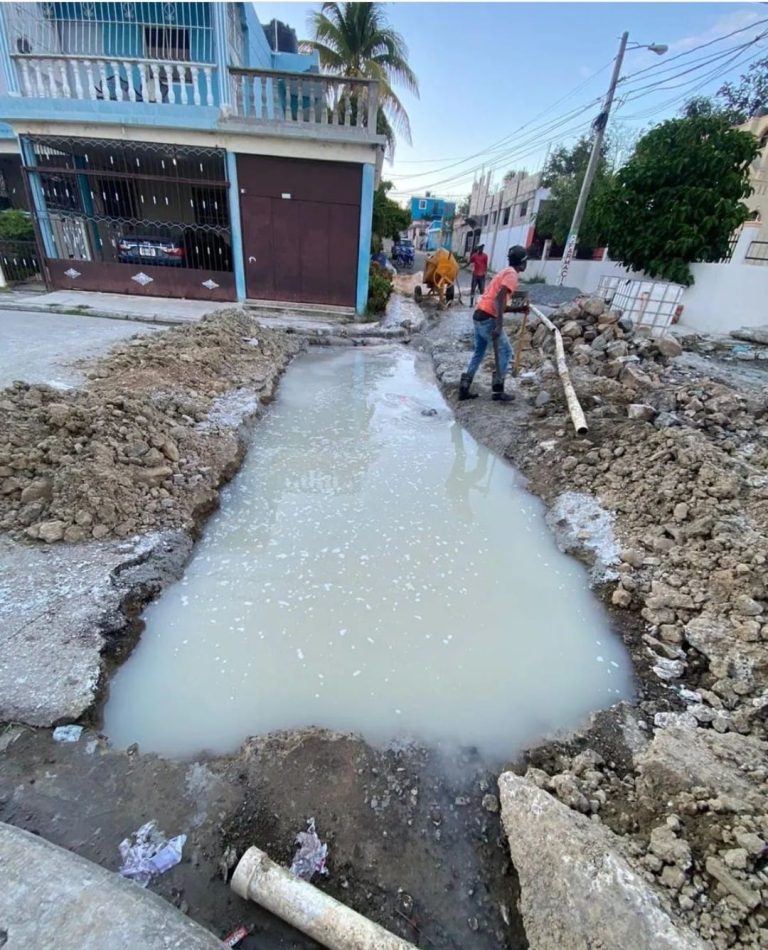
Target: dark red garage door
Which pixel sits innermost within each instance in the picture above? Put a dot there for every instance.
(300, 223)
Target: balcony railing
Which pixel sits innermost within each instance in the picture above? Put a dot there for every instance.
(116, 79)
(304, 99)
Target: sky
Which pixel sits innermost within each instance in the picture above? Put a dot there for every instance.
(501, 83)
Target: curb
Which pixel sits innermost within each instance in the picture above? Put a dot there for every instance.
(101, 314)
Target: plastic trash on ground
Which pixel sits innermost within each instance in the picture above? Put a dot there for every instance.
(67, 733)
(311, 856)
(149, 854)
(236, 937)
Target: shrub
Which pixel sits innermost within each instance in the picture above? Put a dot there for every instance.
(16, 226)
(379, 289)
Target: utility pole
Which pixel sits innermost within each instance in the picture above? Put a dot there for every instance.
(600, 123)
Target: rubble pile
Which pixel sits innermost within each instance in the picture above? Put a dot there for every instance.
(676, 458)
(146, 443)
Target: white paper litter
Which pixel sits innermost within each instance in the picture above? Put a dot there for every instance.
(311, 856)
(149, 854)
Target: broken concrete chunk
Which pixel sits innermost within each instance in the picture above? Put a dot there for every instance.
(748, 898)
(668, 346)
(640, 411)
(576, 888)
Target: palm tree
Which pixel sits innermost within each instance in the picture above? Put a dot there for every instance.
(354, 40)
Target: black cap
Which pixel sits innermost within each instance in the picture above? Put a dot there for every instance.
(517, 255)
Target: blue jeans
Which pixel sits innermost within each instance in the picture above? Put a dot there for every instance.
(484, 336)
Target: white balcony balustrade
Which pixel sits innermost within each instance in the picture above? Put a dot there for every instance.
(304, 99)
(115, 79)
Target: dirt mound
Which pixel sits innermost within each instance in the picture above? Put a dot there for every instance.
(677, 457)
(147, 442)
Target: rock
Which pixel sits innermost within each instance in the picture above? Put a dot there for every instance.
(680, 758)
(568, 791)
(621, 598)
(587, 760)
(491, 803)
(634, 378)
(640, 411)
(744, 895)
(51, 531)
(736, 858)
(607, 317)
(742, 604)
(667, 846)
(626, 324)
(673, 878)
(680, 512)
(751, 334)
(616, 349)
(542, 399)
(666, 420)
(753, 844)
(41, 489)
(668, 346)
(58, 413)
(602, 341)
(571, 329)
(729, 656)
(153, 476)
(592, 896)
(593, 306)
(632, 556)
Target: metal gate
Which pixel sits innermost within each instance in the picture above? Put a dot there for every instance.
(132, 218)
(18, 261)
(300, 222)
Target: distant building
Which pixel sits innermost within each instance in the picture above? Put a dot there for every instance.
(500, 217)
(432, 222)
(757, 202)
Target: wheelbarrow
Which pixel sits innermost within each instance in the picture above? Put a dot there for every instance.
(440, 278)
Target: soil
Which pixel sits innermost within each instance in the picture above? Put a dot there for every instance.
(415, 842)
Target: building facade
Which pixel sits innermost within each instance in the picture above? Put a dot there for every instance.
(758, 176)
(431, 222)
(500, 217)
(166, 149)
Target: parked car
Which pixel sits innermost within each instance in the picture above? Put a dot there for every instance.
(159, 248)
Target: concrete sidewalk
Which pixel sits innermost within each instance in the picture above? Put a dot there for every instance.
(162, 310)
(54, 898)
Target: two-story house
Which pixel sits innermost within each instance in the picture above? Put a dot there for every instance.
(757, 202)
(429, 216)
(166, 149)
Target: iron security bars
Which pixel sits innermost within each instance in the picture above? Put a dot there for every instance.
(133, 203)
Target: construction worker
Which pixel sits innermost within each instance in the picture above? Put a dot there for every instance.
(479, 263)
(489, 326)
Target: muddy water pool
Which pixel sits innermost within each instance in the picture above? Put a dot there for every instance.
(372, 568)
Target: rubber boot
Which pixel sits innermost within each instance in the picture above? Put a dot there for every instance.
(464, 384)
(497, 389)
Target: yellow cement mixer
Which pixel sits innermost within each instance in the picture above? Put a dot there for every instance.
(441, 272)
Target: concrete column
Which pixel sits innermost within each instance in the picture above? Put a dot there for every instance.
(39, 209)
(235, 227)
(221, 52)
(7, 66)
(364, 248)
(545, 251)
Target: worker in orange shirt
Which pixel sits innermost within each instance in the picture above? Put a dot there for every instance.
(489, 326)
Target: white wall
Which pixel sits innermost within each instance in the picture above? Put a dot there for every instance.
(723, 297)
(582, 274)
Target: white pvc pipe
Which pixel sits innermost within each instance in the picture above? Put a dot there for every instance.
(574, 406)
(308, 909)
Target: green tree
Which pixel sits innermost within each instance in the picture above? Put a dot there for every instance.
(749, 96)
(678, 199)
(563, 174)
(463, 206)
(355, 40)
(389, 219)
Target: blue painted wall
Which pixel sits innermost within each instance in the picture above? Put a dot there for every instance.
(366, 231)
(434, 208)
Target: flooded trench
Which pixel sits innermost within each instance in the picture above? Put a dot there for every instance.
(371, 569)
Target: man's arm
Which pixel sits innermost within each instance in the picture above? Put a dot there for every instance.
(501, 303)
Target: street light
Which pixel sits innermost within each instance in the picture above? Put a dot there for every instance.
(599, 126)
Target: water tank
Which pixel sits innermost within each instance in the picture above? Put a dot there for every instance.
(281, 37)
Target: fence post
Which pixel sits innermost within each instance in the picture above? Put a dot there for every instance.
(3, 281)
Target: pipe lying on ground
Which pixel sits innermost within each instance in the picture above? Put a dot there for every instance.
(574, 407)
(308, 909)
